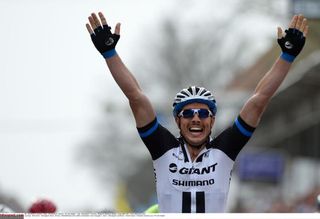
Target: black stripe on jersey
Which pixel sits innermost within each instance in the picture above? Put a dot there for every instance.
(232, 139)
(199, 159)
(157, 139)
(245, 125)
(186, 202)
(200, 202)
(185, 155)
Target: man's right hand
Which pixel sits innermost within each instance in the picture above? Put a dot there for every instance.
(102, 38)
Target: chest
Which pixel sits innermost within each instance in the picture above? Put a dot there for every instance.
(211, 171)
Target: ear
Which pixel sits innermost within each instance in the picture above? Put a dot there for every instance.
(177, 121)
(213, 119)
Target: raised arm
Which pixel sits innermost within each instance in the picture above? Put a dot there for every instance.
(105, 42)
(291, 44)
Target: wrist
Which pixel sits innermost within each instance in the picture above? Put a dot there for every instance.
(287, 57)
(108, 54)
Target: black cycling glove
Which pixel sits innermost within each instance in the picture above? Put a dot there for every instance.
(291, 44)
(105, 41)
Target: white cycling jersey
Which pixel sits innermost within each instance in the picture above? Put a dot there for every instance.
(200, 186)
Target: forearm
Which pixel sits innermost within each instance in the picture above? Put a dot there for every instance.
(123, 77)
(272, 80)
(105, 42)
(253, 109)
(140, 105)
(291, 42)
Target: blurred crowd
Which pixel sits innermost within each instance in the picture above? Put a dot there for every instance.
(307, 203)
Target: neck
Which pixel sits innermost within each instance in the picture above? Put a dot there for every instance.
(194, 150)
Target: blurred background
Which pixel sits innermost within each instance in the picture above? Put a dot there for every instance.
(67, 133)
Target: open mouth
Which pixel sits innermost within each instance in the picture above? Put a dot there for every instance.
(195, 130)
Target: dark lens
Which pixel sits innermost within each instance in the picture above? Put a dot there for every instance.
(203, 113)
(188, 113)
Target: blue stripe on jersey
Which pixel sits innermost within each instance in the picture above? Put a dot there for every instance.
(242, 129)
(150, 131)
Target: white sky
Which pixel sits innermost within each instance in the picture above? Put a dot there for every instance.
(52, 84)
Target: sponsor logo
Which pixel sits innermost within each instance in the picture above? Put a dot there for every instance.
(288, 45)
(184, 170)
(110, 41)
(173, 168)
(207, 182)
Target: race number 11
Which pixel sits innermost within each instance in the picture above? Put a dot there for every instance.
(186, 202)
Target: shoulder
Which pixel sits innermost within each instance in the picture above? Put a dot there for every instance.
(157, 138)
(232, 139)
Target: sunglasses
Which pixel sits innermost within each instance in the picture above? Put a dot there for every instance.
(189, 113)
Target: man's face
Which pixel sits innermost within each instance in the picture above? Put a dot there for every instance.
(195, 130)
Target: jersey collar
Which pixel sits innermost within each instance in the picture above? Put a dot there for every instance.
(186, 154)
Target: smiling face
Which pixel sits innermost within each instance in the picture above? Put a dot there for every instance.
(195, 130)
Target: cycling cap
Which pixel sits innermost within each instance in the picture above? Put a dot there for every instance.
(194, 94)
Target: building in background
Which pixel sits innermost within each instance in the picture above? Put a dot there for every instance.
(290, 128)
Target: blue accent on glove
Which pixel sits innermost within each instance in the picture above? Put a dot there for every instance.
(109, 53)
(287, 57)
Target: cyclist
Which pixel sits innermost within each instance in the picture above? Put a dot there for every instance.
(193, 171)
